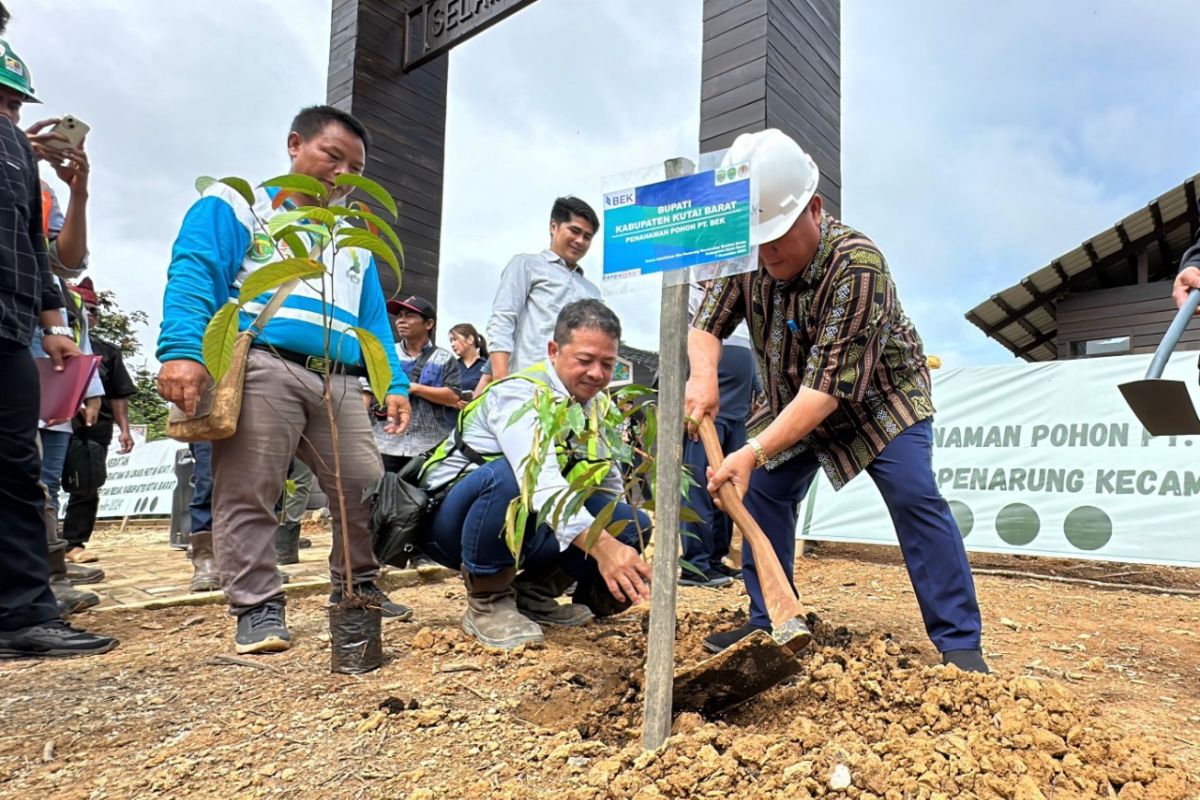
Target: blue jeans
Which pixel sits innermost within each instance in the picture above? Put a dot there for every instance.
(202, 485)
(467, 528)
(708, 540)
(929, 537)
(54, 456)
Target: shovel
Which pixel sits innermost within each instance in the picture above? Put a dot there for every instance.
(1164, 407)
(761, 660)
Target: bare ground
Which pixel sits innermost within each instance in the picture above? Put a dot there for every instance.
(1096, 693)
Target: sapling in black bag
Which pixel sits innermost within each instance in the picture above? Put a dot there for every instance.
(398, 509)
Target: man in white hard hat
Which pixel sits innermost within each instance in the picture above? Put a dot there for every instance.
(848, 391)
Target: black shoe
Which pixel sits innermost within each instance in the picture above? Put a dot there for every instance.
(263, 629)
(711, 580)
(71, 600)
(78, 574)
(725, 569)
(716, 642)
(390, 609)
(966, 660)
(53, 639)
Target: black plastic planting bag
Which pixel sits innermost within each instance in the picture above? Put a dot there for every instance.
(355, 639)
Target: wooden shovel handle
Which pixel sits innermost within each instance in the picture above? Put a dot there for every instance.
(780, 600)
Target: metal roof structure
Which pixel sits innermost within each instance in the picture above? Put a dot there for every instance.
(1146, 246)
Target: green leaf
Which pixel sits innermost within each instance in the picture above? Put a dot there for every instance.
(242, 187)
(690, 567)
(598, 525)
(375, 357)
(302, 219)
(370, 187)
(303, 184)
(375, 220)
(289, 487)
(687, 514)
(203, 182)
(576, 418)
(520, 412)
(295, 243)
(219, 338)
(277, 274)
(318, 233)
(282, 220)
(357, 237)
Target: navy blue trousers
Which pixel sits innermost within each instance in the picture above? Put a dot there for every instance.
(707, 541)
(468, 528)
(202, 487)
(929, 537)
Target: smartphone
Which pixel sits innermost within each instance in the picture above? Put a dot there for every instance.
(72, 130)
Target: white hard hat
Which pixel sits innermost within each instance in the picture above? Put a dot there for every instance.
(786, 176)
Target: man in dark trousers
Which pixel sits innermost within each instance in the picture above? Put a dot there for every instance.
(30, 626)
(848, 389)
(84, 503)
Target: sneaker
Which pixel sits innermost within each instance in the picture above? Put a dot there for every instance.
(725, 569)
(715, 643)
(390, 609)
(711, 580)
(53, 639)
(262, 629)
(79, 574)
(966, 660)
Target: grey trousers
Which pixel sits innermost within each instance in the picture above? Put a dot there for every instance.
(294, 505)
(283, 414)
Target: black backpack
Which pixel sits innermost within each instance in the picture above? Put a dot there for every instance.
(398, 509)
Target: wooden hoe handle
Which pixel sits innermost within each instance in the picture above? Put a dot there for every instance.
(781, 602)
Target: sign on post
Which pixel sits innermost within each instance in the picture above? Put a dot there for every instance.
(678, 223)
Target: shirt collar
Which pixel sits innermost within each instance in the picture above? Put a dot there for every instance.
(404, 347)
(554, 258)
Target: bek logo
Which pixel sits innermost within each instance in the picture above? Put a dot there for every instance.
(13, 66)
(262, 249)
(355, 271)
(625, 197)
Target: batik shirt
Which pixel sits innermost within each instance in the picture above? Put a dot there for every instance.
(837, 328)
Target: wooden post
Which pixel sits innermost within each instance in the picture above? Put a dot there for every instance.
(672, 369)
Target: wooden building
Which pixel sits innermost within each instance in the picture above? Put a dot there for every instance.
(1109, 296)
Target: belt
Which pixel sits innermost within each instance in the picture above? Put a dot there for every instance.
(317, 364)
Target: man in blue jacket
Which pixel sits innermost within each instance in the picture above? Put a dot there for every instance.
(221, 241)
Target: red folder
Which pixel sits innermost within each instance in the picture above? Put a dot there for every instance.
(62, 392)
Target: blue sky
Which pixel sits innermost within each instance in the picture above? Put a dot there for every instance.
(980, 140)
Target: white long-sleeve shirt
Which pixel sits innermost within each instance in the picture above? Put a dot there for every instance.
(487, 430)
(533, 289)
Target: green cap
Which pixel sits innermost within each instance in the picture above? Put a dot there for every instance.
(14, 74)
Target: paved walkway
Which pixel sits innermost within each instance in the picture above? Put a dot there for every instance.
(143, 571)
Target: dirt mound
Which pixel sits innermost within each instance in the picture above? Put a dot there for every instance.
(862, 721)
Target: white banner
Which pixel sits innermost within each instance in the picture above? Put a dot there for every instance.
(142, 482)
(1045, 459)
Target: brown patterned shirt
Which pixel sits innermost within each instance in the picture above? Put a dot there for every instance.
(837, 328)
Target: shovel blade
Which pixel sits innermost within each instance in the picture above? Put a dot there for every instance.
(733, 676)
(1163, 407)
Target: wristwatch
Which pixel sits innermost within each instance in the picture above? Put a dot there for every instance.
(58, 330)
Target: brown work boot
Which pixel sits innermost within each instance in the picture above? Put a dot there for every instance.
(492, 616)
(537, 599)
(205, 577)
(70, 600)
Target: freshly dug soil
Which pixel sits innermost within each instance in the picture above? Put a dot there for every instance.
(1094, 696)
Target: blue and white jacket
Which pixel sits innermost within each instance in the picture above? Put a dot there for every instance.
(222, 241)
